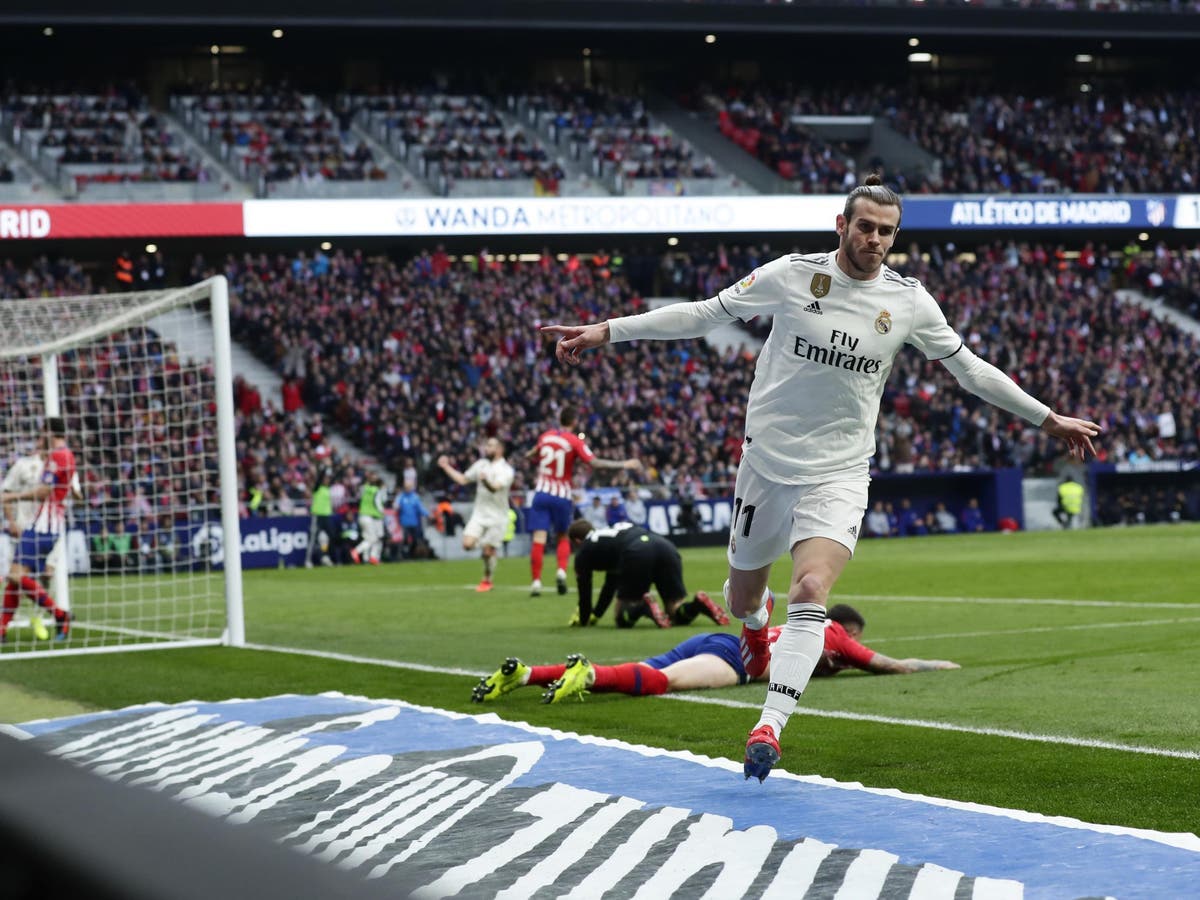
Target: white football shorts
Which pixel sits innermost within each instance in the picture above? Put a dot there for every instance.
(487, 532)
(770, 518)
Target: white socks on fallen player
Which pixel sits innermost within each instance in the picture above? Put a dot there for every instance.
(793, 659)
(760, 618)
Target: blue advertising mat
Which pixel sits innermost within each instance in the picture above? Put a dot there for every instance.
(471, 806)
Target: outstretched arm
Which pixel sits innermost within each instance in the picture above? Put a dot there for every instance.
(885, 665)
(984, 380)
(631, 463)
(679, 320)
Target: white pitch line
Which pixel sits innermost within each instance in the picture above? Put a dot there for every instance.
(1038, 630)
(949, 726)
(367, 660)
(1018, 601)
(738, 704)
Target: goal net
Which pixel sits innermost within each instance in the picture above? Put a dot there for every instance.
(150, 554)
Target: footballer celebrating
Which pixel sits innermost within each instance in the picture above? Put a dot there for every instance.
(493, 478)
(840, 318)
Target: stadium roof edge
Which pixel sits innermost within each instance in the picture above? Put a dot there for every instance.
(610, 15)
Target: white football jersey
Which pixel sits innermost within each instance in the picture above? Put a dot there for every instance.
(24, 474)
(491, 506)
(821, 373)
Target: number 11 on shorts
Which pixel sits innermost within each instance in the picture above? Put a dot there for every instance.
(738, 510)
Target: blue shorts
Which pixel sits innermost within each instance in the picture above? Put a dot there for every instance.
(550, 513)
(718, 643)
(35, 547)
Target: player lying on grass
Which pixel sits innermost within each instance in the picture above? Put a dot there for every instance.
(632, 559)
(710, 660)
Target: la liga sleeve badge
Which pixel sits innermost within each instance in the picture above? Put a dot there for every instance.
(744, 284)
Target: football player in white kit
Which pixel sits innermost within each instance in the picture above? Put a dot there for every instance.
(493, 477)
(840, 318)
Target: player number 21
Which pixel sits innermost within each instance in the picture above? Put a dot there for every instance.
(748, 511)
(553, 461)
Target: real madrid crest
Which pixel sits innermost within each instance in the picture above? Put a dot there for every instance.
(820, 285)
(883, 322)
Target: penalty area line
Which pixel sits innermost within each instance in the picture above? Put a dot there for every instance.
(738, 704)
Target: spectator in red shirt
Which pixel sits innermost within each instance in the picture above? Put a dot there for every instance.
(291, 395)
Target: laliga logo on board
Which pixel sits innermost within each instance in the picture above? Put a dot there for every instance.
(24, 223)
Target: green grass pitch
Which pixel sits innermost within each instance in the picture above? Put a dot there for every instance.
(1084, 640)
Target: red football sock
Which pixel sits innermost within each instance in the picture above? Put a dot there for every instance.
(38, 593)
(545, 674)
(638, 679)
(11, 599)
(564, 552)
(536, 553)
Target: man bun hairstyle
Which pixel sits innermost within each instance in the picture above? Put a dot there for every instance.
(876, 191)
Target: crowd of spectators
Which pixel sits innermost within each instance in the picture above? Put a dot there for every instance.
(764, 125)
(984, 140)
(116, 129)
(44, 277)
(459, 136)
(613, 131)
(883, 519)
(1173, 275)
(282, 134)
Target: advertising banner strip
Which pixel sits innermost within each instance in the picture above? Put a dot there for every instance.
(547, 216)
(540, 216)
(437, 217)
(119, 220)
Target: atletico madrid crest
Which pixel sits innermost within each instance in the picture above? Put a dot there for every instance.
(820, 285)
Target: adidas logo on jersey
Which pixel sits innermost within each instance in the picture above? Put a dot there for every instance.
(814, 307)
(852, 530)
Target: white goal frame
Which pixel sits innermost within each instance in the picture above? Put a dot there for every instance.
(136, 309)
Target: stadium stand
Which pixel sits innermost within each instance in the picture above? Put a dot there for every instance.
(86, 140)
(980, 139)
(273, 136)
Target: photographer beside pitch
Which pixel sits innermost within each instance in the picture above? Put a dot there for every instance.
(839, 319)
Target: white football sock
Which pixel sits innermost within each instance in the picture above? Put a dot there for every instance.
(793, 659)
(489, 566)
(760, 618)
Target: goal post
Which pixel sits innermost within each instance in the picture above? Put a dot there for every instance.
(144, 384)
